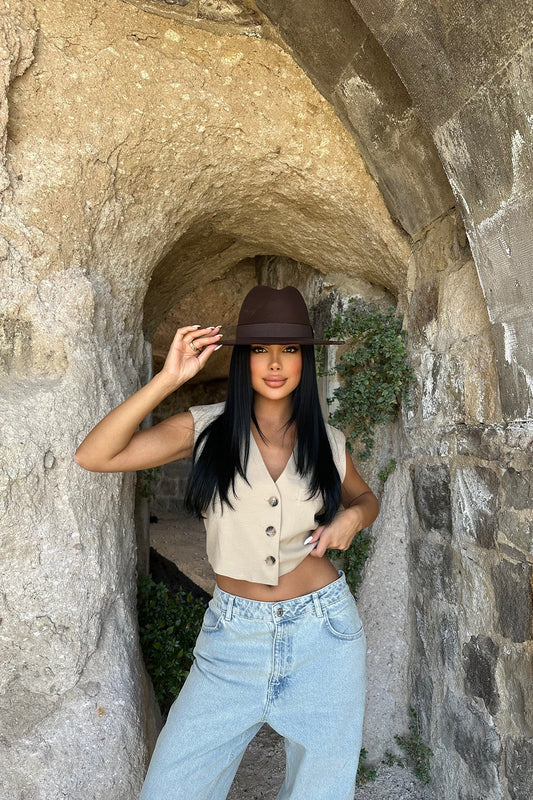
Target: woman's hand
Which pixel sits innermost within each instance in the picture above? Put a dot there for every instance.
(115, 444)
(338, 535)
(360, 510)
(189, 352)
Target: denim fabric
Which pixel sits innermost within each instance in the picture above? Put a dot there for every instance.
(297, 664)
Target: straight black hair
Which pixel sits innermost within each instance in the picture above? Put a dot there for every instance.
(222, 449)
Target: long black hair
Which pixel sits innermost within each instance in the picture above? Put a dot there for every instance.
(222, 448)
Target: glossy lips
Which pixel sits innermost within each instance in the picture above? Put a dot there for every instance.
(275, 383)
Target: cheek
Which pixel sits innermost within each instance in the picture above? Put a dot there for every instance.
(255, 368)
(297, 368)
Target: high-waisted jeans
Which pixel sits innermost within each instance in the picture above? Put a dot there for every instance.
(298, 665)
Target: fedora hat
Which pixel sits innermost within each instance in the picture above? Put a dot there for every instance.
(274, 316)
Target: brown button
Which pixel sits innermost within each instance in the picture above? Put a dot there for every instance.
(270, 560)
(273, 501)
(270, 531)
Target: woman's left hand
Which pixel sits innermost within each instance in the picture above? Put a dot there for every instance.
(339, 534)
(360, 510)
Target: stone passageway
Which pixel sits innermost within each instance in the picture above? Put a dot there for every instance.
(180, 539)
(158, 158)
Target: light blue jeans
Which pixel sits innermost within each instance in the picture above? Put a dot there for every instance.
(298, 665)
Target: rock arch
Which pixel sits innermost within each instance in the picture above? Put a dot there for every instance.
(149, 149)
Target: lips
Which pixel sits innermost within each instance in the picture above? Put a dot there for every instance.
(275, 383)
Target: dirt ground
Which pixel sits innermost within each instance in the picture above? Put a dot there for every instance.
(261, 771)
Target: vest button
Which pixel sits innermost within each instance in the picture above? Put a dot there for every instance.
(270, 560)
(273, 501)
(270, 531)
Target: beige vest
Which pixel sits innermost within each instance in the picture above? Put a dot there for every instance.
(263, 536)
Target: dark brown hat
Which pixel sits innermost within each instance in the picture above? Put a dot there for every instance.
(274, 316)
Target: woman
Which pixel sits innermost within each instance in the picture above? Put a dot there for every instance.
(281, 641)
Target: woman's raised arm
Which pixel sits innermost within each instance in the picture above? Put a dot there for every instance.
(115, 444)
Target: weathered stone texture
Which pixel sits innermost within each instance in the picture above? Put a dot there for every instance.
(476, 742)
(473, 610)
(470, 549)
(480, 656)
(351, 69)
(431, 488)
(449, 39)
(513, 595)
(518, 488)
(382, 602)
(476, 504)
(477, 101)
(17, 40)
(519, 768)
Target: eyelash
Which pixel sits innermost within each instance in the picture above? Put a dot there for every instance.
(288, 349)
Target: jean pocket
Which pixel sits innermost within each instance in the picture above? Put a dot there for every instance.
(343, 621)
(212, 619)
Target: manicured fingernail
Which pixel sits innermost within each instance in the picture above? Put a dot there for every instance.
(309, 539)
(217, 347)
(195, 326)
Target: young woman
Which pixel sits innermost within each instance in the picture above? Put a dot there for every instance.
(281, 641)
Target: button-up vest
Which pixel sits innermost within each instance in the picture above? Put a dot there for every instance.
(263, 536)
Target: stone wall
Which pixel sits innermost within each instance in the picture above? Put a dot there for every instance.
(470, 519)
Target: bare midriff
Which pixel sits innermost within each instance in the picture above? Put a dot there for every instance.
(310, 575)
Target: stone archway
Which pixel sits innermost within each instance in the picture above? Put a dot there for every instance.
(150, 148)
(110, 178)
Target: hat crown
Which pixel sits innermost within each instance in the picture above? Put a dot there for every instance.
(274, 316)
(264, 305)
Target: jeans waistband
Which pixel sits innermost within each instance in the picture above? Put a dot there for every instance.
(232, 605)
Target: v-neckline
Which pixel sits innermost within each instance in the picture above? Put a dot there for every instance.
(262, 460)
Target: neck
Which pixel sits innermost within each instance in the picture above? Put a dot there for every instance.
(275, 413)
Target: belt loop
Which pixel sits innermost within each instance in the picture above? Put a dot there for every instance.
(317, 604)
(229, 607)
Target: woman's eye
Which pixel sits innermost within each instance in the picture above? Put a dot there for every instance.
(291, 349)
(258, 350)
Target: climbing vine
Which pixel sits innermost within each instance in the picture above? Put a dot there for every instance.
(375, 376)
(374, 370)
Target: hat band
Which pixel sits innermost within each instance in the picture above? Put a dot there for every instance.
(290, 330)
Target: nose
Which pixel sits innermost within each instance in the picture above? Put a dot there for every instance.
(274, 363)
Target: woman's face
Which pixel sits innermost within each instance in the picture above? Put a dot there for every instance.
(276, 369)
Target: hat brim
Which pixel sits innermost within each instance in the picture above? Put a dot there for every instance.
(278, 340)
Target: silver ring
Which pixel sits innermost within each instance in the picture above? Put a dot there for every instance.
(194, 348)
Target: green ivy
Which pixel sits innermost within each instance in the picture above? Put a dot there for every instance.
(387, 470)
(147, 479)
(375, 375)
(168, 626)
(374, 370)
(417, 753)
(354, 559)
(366, 773)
